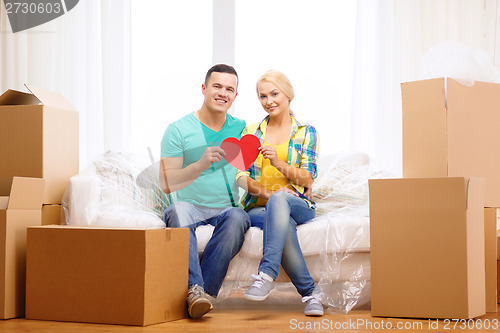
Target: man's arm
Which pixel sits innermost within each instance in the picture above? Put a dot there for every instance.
(174, 177)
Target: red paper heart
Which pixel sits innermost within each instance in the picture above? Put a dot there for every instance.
(241, 153)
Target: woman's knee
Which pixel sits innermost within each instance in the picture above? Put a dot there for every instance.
(279, 198)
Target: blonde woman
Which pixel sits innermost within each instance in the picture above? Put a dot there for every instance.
(276, 184)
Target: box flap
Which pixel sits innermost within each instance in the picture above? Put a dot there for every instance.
(4, 201)
(424, 128)
(14, 97)
(417, 194)
(25, 193)
(50, 98)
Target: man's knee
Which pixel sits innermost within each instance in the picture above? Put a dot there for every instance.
(238, 219)
(172, 214)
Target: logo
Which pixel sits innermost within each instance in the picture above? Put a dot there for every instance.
(26, 14)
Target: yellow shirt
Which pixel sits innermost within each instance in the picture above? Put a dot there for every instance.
(272, 179)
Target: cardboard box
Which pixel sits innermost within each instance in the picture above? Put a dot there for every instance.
(106, 275)
(52, 214)
(490, 231)
(498, 266)
(427, 248)
(498, 281)
(451, 130)
(20, 207)
(42, 139)
(498, 244)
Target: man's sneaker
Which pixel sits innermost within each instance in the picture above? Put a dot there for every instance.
(198, 302)
(260, 288)
(314, 307)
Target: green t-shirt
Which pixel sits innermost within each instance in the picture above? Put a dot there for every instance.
(188, 137)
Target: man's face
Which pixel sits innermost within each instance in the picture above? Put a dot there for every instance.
(220, 91)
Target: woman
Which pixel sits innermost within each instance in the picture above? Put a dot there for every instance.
(276, 184)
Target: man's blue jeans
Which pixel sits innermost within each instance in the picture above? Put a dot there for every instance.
(230, 225)
(279, 220)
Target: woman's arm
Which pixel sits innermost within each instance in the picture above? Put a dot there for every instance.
(254, 187)
(296, 175)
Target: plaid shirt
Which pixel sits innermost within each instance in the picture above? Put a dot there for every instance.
(302, 153)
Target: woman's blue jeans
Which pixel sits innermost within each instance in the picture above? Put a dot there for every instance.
(230, 224)
(279, 220)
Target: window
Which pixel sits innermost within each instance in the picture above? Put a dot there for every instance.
(311, 42)
(171, 52)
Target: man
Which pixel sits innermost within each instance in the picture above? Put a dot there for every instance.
(192, 165)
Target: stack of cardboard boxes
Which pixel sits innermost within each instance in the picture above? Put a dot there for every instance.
(73, 273)
(433, 246)
(39, 150)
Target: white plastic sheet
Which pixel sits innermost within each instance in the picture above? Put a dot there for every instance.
(121, 190)
(459, 62)
(116, 190)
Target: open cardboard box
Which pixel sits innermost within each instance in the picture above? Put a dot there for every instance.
(451, 130)
(52, 214)
(20, 207)
(39, 132)
(427, 247)
(106, 275)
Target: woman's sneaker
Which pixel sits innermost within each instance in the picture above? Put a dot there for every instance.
(198, 302)
(260, 288)
(314, 307)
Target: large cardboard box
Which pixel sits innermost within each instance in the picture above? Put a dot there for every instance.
(490, 227)
(498, 281)
(498, 244)
(427, 248)
(105, 275)
(20, 207)
(39, 135)
(451, 130)
(498, 266)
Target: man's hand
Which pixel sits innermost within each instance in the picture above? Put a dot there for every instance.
(211, 155)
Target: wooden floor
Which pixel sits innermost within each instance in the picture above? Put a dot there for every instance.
(239, 315)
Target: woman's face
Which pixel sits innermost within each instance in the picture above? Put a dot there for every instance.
(273, 100)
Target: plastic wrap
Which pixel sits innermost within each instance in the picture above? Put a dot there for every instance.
(335, 244)
(116, 190)
(343, 181)
(122, 190)
(459, 62)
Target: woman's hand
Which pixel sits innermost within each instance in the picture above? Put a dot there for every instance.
(271, 154)
(287, 190)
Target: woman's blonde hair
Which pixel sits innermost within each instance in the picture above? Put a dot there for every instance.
(279, 80)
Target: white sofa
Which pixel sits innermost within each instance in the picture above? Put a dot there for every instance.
(335, 244)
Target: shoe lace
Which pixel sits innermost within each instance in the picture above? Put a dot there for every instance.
(196, 291)
(311, 299)
(259, 281)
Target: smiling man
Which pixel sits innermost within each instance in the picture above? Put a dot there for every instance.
(193, 167)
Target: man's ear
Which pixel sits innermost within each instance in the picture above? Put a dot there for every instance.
(235, 95)
(203, 88)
